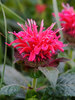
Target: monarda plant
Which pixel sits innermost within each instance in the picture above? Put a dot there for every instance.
(67, 19)
(37, 51)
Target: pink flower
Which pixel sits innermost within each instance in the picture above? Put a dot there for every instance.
(40, 8)
(34, 45)
(67, 18)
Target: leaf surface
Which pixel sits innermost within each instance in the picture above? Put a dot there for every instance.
(51, 74)
(66, 84)
(10, 90)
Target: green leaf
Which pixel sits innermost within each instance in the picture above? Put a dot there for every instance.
(51, 74)
(51, 94)
(12, 76)
(33, 74)
(21, 94)
(5, 55)
(10, 90)
(66, 84)
(61, 67)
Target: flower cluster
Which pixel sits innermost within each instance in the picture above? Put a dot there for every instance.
(40, 8)
(67, 18)
(35, 45)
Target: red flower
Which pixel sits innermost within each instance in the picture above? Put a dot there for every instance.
(67, 18)
(35, 45)
(40, 8)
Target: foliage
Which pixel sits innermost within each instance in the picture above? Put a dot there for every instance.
(51, 74)
(10, 90)
(65, 87)
(66, 84)
(61, 86)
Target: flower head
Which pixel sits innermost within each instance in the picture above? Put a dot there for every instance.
(35, 46)
(40, 8)
(67, 18)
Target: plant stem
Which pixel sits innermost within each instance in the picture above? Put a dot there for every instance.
(1, 53)
(55, 7)
(34, 82)
(2, 79)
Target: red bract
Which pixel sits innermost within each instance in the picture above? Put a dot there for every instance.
(35, 45)
(40, 8)
(67, 18)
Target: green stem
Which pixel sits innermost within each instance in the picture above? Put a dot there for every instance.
(13, 65)
(34, 82)
(2, 79)
(55, 7)
(1, 53)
